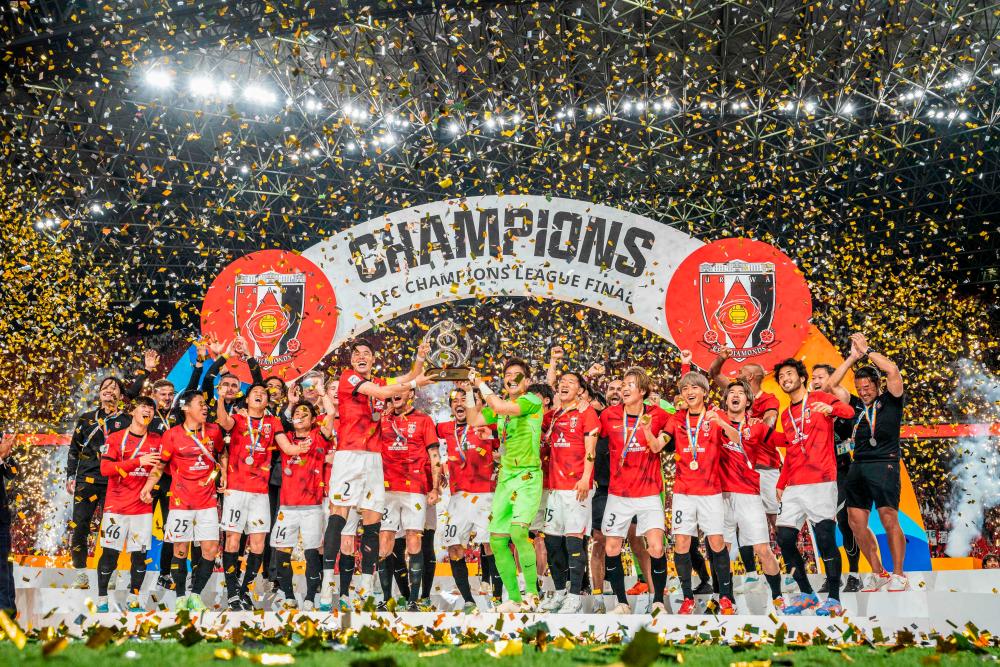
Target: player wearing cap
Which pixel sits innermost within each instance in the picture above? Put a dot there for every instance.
(745, 513)
(409, 444)
(571, 432)
(304, 471)
(356, 476)
(696, 433)
(190, 453)
(127, 524)
(470, 479)
(519, 482)
(807, 488)
(633, 429)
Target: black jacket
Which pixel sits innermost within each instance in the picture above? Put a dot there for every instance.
(6, 472)
(87, 445)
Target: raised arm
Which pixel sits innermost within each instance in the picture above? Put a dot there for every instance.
(893, 378)
(417, 370)
(201, 350)
(715, 370)
(833, 384)
(221, 352)
(222, 416)
(473, 410)
(150, 360)
(388, 391)
(555, 362)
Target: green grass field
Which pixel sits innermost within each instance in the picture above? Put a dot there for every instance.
(155, 653)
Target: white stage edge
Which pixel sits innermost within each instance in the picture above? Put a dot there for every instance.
(940, 602)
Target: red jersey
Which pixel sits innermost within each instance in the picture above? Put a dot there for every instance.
(565, 432)
(405, 441)
(252, 439)
(304, 476)
(635, 470)
(810, 457)
(120, 464)
(470, 457)
(190, 459)
(697, 440)
(767, 454)
(359, 414)
(736, 466)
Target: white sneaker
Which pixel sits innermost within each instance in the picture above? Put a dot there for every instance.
(485, 588)
(898, 583)
(621, 609)
(508, 607)
(573, 604)
(788, 584)
(748, 585)
(132, 603)
(366, 588)
(553, 603)
(877, 582)
(82, 582)
(308, 605)
(598, 606)
(658, 608)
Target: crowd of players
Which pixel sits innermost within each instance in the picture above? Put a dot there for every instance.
(550, 475)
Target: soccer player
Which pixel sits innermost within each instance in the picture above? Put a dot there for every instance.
(304, 468)
(190, 454)
(571, 431)
(83, 467)
(634, 445)
(356, 479)
(745, 513)
(807, 488)
(697, 432)
(409, 444)
(470, 478)
(874, 477)
(246, 508)
(843, 430)
(519, 482)
(127, 524)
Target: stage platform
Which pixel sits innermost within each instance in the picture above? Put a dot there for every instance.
(939, 602)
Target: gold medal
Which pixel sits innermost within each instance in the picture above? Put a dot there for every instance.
(693, 465)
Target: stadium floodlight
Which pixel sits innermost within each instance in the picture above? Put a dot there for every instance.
(259, 94)
(159, 78)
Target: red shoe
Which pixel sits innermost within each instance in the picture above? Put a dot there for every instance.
(639, 588)
(687, 608)
(726, 607)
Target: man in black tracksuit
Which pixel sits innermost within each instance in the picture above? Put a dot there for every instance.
(7, 593)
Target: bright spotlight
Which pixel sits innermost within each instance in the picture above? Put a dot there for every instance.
(202, 86)
(259, 94)
(159, 78)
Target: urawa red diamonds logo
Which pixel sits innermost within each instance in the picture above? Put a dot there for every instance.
(281, 304)
(739, 294)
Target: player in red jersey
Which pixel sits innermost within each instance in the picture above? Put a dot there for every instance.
(571, 433)
(409, 444)
(246, 508)
(745, 513)
(190, 453)
(470, 479)
(127, 524)
(807, 488)
(356, 479)
(696, 433)
(636, 485)
(304, 471)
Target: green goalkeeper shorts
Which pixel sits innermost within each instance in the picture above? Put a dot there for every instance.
(516, 499)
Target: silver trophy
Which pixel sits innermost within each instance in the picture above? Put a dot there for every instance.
(451, 348)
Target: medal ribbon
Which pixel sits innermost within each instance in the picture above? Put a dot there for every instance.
(462, 441)
(800, 431)
(137, 447)
(255, 437)
(629, 437)
(870, 418)
(739, 433)
(201, 446)
(693, 438)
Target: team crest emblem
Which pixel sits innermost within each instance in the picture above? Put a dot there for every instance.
(268, 312)
(572, 422)
(737, 306)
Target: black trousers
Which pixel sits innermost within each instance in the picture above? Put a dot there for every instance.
(7, 601)
(87, 497)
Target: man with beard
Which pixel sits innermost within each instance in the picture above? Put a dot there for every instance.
(842, 429)
(807, 488)
(83, 468)
(470, 477)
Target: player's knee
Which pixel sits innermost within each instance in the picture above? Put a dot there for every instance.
(716, 542)
(787, 538)
(613, 547)
(209, 550)
(456, 552)
(413, 542)
(256, 542)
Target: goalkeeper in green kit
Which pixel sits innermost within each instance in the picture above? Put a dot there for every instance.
(519, 481)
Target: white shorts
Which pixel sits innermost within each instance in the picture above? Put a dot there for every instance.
(245, 512)
(693, 512)
(745, 518)
(565, 515)
(404, 511)
(768, 487)
(539, 521)
(431, 520)
(353, 523)
(618, 513)
(802, 502)
(127, 532)
(291, 522)
(356, 480)
(467, 519)
(192, 526)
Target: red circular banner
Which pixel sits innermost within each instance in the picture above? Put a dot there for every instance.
(281, 303)
(745, 295)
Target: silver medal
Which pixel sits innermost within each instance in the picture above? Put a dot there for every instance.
(871, 441)
(248, 460)
(288, 471)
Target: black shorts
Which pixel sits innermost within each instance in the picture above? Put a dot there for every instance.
(597, 506)
(875, 482)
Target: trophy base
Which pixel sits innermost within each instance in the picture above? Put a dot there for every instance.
(456, 374)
